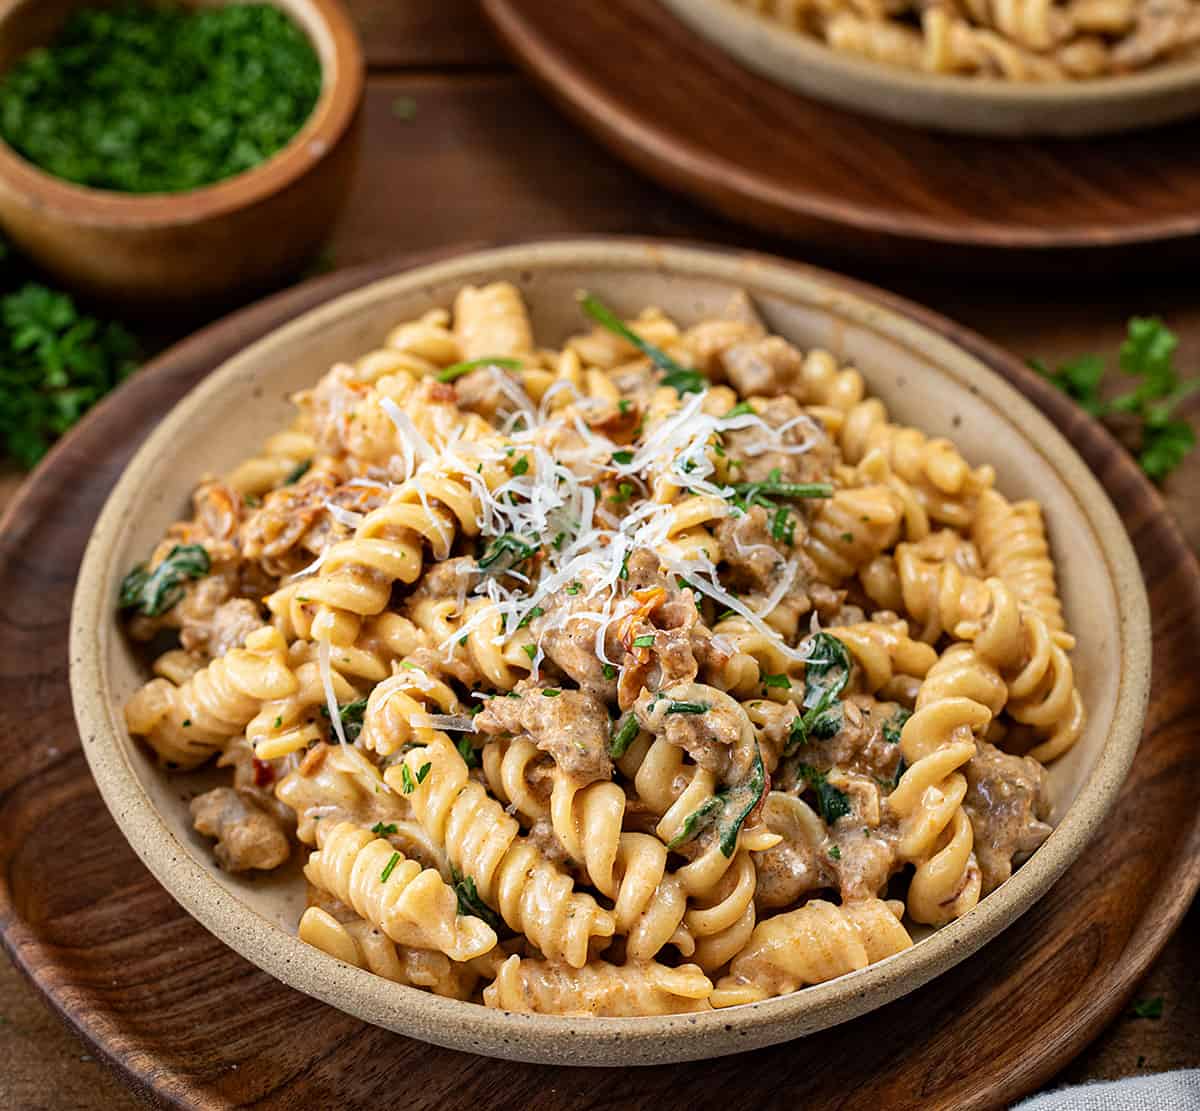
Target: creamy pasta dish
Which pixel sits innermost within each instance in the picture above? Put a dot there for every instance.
(654, 673)
(1017, 40)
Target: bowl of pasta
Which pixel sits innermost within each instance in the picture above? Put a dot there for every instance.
(1087, 67)
(608, 652)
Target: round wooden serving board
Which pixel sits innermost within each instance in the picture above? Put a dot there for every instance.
(193, 1024)
(690, 116)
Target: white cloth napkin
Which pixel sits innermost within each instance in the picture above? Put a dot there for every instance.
(1164, 1091)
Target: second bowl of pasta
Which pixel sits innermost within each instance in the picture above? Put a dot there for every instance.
(607, 652)
(1011, 69)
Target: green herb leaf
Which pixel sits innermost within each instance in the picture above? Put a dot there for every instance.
(688, 707)
(154, 592)
(679, 378)
(1148, 353)
(504, 553)
(894, 725)
(407, 786)
(732, 807)
(741, 409)
(780, 681)
(623, 737)
(470, 903)
(1148, 1008)
(644, 641)
(384, 829)
(298, 472)
(457, 370)
(608, 671)
(467, 751)
(390, 866)
(831, 802)
(423, 771)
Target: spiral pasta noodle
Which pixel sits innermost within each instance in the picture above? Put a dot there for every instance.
(587, 677)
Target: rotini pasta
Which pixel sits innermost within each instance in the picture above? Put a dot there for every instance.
(590, 677)
(1017, 40)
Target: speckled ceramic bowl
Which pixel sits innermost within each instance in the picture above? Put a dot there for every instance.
(978, 106)
(910, 360)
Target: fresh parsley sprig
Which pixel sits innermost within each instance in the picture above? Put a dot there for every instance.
(1148, 354)
(56, 362)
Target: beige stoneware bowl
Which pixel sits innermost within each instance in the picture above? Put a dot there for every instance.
(923, 377)
(975, 106)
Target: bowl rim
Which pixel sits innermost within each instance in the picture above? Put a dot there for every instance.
(343, 68)
(812, 53)
(541, 1038)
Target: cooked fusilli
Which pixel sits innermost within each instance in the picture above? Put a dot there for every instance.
(1015, 40)
(589, 679)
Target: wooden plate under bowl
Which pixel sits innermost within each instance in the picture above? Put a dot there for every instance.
(969, 105)
(924, 379)
(691, 116)
(185, 1018)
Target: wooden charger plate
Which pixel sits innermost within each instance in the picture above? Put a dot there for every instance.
(193, 1024)
(690, 116)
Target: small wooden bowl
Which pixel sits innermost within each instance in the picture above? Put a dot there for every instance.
(185, 250)
(971, 105)
(911, 360)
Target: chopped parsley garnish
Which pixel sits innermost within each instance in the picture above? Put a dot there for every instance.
(826, 672)
(644, 641)
(537, 611)
(835, 852)
(551, 692)
(894, 725)
(622, 457)
(521, 466)
(406, 780)
(390, 866)
(351, 717)
(504, 553)
(688, 707)
(831, 802)
(384, 829)
(530, 650)
(624, 573)
(608, 671)
(781, 681)
(741, 409)
(298, 472)
(154, 592)
(423, 772)
(574, 588)
(623, 494)
(467, 751)
(624, 736)
(457, 370)
(469, 902)
(679, 378)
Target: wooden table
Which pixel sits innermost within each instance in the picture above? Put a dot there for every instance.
(460, 148)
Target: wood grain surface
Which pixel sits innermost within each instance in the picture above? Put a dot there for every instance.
(196, 1025)
(767, 156)
(483, 157)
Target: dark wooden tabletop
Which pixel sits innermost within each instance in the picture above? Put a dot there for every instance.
(460, 148)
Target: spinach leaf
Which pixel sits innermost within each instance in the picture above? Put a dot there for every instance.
(154, 592)
(727, 809)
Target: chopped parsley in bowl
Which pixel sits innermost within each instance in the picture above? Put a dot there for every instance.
(149, 99)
